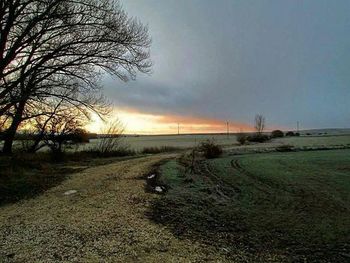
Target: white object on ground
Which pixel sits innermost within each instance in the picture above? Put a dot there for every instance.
(70, 192)
(151, 176)
(158, 189)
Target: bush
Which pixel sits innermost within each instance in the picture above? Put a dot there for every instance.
(277, 134)
(258, 138)
(210, 149)
(284, 148)
(241, 138)
(111, 142)
(162, 149)
(290, 133)
(80, 136)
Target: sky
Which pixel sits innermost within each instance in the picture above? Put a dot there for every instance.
(227, 60)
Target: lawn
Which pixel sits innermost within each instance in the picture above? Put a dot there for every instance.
(281, 207)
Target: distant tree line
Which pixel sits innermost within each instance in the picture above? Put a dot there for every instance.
(52, 55)
(259, 135)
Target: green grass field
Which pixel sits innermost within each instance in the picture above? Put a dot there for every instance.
(282, 207)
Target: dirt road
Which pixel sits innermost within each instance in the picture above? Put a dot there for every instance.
(103, 221)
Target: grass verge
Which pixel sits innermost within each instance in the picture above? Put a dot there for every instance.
(161, 149)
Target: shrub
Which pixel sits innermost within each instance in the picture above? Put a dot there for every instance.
(111, 140)
(290, 133)
(162, 149)
(79, 136)
(241, 138)
(210, 149)
(284, 148)
(277, 134)
(258, 138)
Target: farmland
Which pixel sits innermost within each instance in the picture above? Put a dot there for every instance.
(284, 207)
(187, 141)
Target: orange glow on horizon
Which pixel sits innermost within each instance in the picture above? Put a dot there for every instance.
(136, 122)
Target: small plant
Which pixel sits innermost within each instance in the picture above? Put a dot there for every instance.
(277, 134)
(258, 138)
(241, 138)
(210, 149)
(290, 134)
(285, 148)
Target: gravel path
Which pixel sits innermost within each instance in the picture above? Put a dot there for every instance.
(103, 221)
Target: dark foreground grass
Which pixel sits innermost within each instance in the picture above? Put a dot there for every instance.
(25, 175)
(276, 207)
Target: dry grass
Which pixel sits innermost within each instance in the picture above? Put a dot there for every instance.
(161, 149)
(103, 222)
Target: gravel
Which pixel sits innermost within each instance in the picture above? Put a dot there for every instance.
(103, 220)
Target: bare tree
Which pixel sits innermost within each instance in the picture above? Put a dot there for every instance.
(111, 140)
(57, 128)
(59, 48)
(40, 116)
(259, 123)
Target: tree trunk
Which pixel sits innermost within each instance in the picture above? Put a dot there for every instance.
(10, 133)
(35, 146)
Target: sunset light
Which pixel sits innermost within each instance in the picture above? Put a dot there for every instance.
(136, 122)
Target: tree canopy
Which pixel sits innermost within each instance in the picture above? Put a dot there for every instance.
(56, 50)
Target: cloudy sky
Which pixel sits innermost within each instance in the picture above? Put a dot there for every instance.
(230, 59)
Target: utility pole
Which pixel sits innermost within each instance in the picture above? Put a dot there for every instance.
(178, 129)
(297, 126)
(228, 128)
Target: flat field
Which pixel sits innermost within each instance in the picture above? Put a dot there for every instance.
(179, 141)
(281, 207)
(187, 141)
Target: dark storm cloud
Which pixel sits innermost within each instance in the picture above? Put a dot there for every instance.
(150, 97)
(227, 59)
